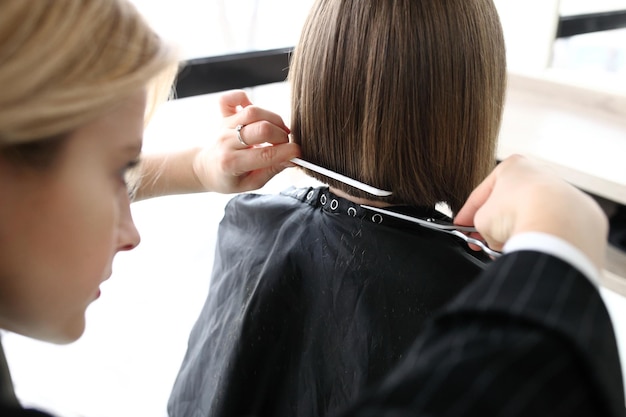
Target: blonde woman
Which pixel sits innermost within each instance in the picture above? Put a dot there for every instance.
(313, 297)
(77, 80)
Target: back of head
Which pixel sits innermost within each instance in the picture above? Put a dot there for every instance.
(64, 62)
(405, 95)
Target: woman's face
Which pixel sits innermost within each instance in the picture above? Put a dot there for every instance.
(61, 227)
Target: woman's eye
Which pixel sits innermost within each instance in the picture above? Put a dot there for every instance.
(129, 177)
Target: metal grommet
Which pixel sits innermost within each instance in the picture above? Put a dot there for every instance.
(352, 212)
(377, 218)
(323, 199)
(309, 195)
(334, 204)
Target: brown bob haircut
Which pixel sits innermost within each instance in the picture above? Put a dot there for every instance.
(404, 95)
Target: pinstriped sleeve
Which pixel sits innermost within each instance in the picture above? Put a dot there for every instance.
(531, 337)
(546, 243)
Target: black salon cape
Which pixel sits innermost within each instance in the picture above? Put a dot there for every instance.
(312, 299)
(530, 337)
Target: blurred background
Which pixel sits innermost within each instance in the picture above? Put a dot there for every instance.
(137, 331)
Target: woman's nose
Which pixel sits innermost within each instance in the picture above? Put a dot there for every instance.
(128, 234)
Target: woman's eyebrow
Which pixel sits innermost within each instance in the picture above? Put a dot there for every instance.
(134, 147)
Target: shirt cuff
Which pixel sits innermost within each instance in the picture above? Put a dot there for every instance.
(557, 247)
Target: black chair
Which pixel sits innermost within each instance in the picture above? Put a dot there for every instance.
(227, 72)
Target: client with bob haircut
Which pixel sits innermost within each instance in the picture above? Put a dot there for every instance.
(313, 297)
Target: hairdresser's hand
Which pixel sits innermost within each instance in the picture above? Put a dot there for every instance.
(230, 166)
(227, 165)
(522, 196)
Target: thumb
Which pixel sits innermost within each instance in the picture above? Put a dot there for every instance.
(478, 197)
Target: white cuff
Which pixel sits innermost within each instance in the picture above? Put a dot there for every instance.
(552, 245)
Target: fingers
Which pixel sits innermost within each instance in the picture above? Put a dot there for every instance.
(253, 147)
(483, 192)
(476, 200)
(254, 125)
(251, 168)
(231, 102)
(257, 179)
(271, 158)
(259, 126)
(258, 133)
(237, 109)
(486, 210)
(524, 196)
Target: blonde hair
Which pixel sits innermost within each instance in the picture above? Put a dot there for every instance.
(404, 95)
(64, 62)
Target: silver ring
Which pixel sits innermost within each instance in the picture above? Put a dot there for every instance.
(238, 129)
